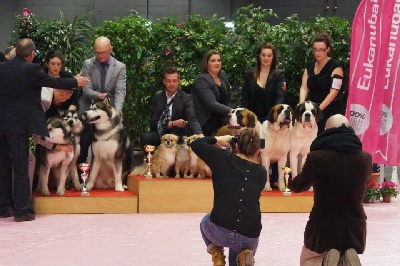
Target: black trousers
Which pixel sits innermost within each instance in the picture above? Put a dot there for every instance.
(86, 139)
(14, 152)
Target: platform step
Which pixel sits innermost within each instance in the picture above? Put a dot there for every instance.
(99, 201)
(185, 195)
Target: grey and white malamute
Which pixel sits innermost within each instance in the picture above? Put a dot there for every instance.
(53, 165)
(111, 148)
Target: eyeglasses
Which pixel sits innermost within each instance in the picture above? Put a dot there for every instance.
(102, 53)
(320, 50)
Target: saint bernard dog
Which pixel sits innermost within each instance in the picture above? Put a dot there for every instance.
(240, 118)
(276, 132)
(305, 129)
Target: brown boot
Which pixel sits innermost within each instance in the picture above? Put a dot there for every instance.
(218, 257)
(245, 258)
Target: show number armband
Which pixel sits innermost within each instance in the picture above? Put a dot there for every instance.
(337, 82)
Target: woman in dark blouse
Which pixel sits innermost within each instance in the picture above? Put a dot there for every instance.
(238, 179)
(263, 87)
(211, 94)
(322, 78)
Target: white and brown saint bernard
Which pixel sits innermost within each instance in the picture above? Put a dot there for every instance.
(239, 119)
(305, 129)
(276, 132)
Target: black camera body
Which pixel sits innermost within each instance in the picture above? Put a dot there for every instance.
(235, 139)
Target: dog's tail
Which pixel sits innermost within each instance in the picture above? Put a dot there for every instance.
(139, 170)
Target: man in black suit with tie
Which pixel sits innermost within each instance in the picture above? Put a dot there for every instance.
(21, 114)
(181, 119)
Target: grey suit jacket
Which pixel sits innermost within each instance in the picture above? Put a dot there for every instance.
(115, 83)
(204, 99)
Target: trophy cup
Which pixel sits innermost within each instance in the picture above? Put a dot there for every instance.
(286, 171)
(84, 167)
(149, 149)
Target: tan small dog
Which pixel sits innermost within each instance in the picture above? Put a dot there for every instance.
(182, 160)
(164, 156)
(198, 167)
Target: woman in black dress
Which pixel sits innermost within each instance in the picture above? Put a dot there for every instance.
(322, 78)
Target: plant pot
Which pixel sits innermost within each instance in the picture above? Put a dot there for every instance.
(386, 198)
(369, 200)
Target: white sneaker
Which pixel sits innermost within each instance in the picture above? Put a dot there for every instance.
(332, 258)
(351, 258)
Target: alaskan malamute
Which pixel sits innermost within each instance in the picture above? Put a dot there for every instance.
(111, 148)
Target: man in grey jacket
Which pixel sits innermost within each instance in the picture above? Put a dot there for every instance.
(108, 78)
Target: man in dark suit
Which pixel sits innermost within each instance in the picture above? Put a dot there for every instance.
(21, 114)
(182, 120)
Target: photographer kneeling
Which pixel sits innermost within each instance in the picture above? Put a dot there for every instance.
(238, 179)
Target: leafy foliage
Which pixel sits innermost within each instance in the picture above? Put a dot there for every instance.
(147, 47)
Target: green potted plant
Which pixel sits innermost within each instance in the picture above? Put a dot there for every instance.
(388, 189)
(372, 194)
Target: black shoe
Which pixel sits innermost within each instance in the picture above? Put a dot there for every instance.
(24, 217)
(5, 214)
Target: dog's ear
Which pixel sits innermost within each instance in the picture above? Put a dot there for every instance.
(271, 115)
(318, 112)
(297, 111)
(251, 120)
(107, 101)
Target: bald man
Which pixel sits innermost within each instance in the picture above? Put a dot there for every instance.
(339, 171)
(108, 78)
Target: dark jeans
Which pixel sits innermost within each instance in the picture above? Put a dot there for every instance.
(86, 140)
(14, 151)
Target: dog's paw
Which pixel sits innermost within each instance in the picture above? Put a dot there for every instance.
(188, 176)
(78, 186)
(89, 186)
(268, 187)
(60, 191)
(281, 186)
(178, 176)
(119, 188)
(311, 189)
(45, 192)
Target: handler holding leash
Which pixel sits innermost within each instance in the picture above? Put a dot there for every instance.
(238, 179)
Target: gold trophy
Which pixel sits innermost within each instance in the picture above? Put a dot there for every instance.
(84, 167)
(286, 172)
(149, 149)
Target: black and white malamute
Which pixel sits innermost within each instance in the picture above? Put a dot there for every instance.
(111, 147)
(71, 118)
(53, 165)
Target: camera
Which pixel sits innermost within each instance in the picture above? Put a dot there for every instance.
(235, 139)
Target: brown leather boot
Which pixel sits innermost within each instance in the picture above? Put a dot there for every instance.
(245, 258)
(218, 257)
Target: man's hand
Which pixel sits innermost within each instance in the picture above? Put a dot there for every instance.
(101, 96)
(82, 81)
(67, 148)
(180, 123)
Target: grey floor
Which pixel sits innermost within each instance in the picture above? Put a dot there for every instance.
(172, 239)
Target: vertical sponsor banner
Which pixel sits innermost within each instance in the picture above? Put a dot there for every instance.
(374, 70)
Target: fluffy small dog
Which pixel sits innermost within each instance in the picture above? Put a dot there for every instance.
(164, 156)
(111, 149)
(71, 118)
(198, 168)
(305, 129)
(240, 118)
(276, 132)
(182, 160)
(53, 165)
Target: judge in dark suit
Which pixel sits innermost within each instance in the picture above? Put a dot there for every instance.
(182, 120)
(21, 114)
(211, 94)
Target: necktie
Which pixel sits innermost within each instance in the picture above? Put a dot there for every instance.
(103, 74)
